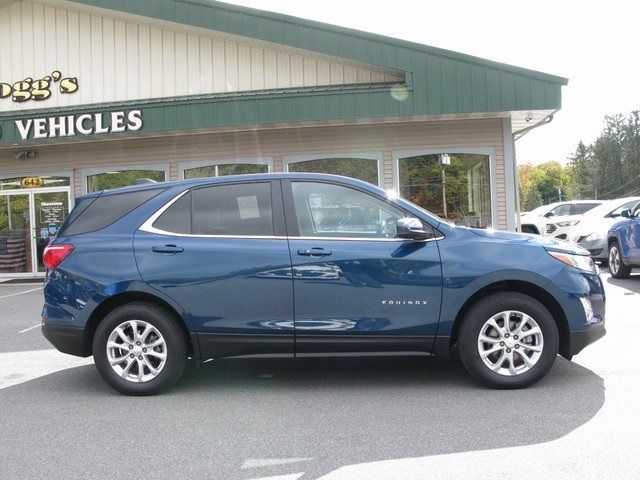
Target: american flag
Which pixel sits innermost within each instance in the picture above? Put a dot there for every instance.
(13, 253)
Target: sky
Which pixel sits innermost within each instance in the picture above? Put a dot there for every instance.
(593, 44)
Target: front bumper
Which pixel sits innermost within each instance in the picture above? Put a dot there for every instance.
(581, 338)
(597, 248)
(68, 340)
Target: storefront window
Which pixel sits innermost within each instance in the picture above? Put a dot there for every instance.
(462, 194)
(225, 169)
(361, 168)
(124, 178)
(35, 181)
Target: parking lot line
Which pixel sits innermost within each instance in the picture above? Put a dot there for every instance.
(20, 293)
(29, 328)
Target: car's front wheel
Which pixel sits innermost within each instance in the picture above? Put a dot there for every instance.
(139, 349)
(508, 340)
(616, 267)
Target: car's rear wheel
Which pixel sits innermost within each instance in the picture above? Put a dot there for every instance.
(616, 267)
(508, 340)
(139, 349)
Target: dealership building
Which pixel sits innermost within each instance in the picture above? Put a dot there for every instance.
(98, 94)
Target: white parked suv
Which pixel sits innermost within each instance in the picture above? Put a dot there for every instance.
(557, 218)
(591, 232)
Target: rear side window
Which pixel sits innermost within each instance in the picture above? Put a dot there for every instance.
(242, 209)
(239, 209)
(580, 208)
(103, 211)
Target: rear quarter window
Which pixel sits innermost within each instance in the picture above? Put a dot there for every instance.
(103, 211)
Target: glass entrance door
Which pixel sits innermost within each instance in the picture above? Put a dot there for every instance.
(15, 234)
(29, 220)
(50, 210)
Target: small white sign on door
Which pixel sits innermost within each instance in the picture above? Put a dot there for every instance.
(248, 207)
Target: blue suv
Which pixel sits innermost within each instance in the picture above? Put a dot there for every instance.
(294, 265)
(624, 244)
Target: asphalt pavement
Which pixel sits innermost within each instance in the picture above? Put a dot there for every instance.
(328, 419)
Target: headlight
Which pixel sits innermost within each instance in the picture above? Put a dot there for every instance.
(597, 236)
(568, 223)
(582, 262)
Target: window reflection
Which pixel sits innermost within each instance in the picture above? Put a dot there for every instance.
(225, 169)
(124, 178)
(460, 191)
(361, 168)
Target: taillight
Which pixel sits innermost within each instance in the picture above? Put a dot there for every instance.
(54, 254)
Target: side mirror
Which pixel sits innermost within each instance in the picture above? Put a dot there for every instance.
(626, 213)
(549, 214)
(412, 228)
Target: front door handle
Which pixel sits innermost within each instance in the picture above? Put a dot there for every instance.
(314, 252)
(167, 249)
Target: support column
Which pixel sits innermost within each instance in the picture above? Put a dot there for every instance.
(512, 187)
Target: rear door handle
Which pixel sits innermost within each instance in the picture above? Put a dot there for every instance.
(167, 249)
(314, 252)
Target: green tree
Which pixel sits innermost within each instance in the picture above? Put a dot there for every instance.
(582, 173)
(610, 166)
(530, 197)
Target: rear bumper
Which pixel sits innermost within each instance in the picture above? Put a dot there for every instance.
(581, 338)
(68, 340)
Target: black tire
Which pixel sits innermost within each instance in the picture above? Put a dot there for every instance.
(166, 324)
(617, 267)
(476, 318)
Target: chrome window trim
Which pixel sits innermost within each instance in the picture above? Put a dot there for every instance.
(148, 227)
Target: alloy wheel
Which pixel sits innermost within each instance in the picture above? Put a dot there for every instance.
(614, 259)
(510, 343)
(136, 351)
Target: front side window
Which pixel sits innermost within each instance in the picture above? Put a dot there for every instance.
(327, 210)
(561, 210)
(459, 191)
(361, 168)
(224, 169)
(122, 178)
(239, 209)
(618, 211)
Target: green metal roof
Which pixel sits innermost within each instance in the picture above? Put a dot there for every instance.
(438, 81)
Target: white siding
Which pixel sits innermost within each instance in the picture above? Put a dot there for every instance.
(118, 60)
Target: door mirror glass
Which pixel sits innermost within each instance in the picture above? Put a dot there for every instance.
(413, 229)
(626, 213)
(549, 214)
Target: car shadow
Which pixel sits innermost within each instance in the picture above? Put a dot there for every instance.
(632, 284)
(320, 414)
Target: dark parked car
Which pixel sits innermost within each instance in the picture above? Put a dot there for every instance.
(624, 244)
(295, 265)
